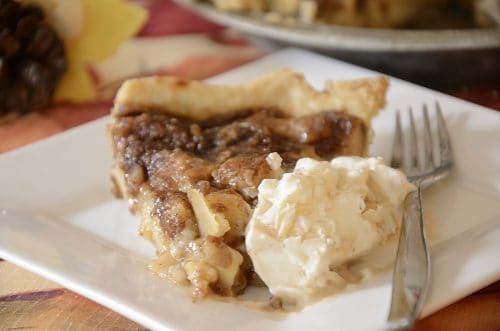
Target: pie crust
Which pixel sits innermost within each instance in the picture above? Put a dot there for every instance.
(282, 89)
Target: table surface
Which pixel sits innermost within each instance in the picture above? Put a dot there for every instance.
(194, 49)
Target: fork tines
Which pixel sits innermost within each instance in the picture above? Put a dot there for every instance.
(416, 155)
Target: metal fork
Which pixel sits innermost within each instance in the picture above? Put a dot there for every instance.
(412, 267)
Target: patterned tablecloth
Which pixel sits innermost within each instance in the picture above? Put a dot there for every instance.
(175, 42)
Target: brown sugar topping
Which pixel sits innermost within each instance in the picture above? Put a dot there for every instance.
(223, 155)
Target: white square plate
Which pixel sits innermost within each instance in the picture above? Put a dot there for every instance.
(90, 244)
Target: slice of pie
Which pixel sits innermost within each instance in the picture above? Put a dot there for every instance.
(189, 157)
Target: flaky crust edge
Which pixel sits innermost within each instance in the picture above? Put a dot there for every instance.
(282, 89)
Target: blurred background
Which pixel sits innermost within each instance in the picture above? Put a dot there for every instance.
(62, 61)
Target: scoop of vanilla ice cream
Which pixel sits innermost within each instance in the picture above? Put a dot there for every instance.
(312, 221)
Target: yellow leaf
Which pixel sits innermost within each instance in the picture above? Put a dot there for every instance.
(106, 25)
(76, 84)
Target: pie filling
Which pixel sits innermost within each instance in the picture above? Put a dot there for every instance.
(194, 183)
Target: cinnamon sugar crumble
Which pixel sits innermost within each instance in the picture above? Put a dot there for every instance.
(164, 157)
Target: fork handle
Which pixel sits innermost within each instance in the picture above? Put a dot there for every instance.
(412, 267)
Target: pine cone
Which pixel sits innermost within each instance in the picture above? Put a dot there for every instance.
(32, 58)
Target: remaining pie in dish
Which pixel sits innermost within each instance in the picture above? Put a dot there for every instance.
(374, 13)
(189, 157)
